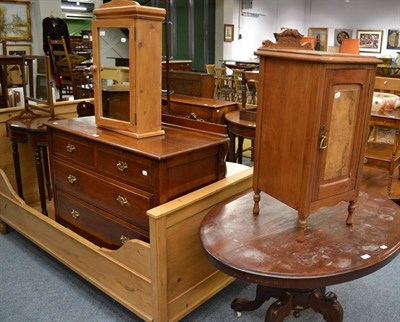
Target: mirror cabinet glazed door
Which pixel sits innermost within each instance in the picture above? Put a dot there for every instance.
(341, 131)
(114, 73)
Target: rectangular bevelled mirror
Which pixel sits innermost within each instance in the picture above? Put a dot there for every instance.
(114, 78)
(114, 104)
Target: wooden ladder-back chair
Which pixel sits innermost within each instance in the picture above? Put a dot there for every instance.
(62, 66)
(224, 87)
(237, 80)
(210, 68)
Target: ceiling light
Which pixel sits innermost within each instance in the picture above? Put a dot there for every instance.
(82, 1)
(73, 8)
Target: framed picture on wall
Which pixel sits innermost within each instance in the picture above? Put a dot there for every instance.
(22, 50)
(393, 40)
(15, 20)
(341, 34)
(321, 38)
(370, 41)
(228, 32)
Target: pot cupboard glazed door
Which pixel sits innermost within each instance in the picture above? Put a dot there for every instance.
(341, 131)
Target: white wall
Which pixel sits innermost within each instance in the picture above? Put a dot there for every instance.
(273, 15)
(301, 15)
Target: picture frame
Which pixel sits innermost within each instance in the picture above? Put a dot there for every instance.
(370, 41)
(393, 39)
(321, 38)
(341, 34)
(15, 20)
(19, 49)
(229, 32)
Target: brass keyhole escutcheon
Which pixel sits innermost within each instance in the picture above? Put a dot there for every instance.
(122, 166)
(71, 178)
(122, 201)
(75, 214)
(70, 148)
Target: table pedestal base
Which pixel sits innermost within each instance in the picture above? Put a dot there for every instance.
(292, 300)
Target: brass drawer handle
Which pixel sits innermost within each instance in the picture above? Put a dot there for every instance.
(122, 166)
(75, 214)
(70, 148)
(71, 178)
(122, 201)
(124, 239)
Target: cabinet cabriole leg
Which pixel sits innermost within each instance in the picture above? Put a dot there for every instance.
(351, 208)
(302, 227)
(256, 198)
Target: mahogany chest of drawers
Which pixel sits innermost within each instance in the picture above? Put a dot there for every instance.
(104, 182)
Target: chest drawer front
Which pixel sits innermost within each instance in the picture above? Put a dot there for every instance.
(73, 148)
(124, 202)
(95, 225)
(127, 167)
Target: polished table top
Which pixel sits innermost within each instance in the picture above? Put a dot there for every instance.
(30, 124)
(234, 118)
(264, 248)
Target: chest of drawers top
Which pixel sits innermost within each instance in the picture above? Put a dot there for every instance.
(176, 140)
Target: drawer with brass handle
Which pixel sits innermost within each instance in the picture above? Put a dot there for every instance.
(106, 230)
(125, 202)
(73, 148)
(132, 169)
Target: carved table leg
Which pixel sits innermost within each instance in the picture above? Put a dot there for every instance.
(39, 171)
(263, 294)
(3, 227)
(17, 168)
(326, 304)
(46, 171)
(299, 300)
(281, 308)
